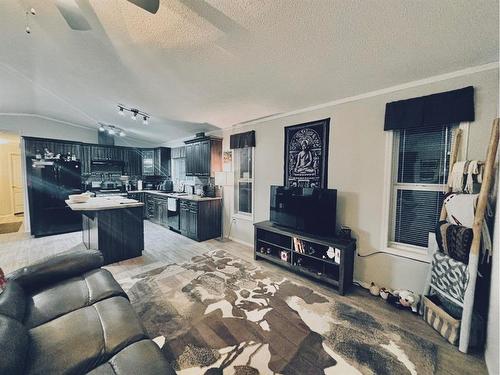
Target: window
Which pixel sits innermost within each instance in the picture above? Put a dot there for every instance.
(243, 180)
(419, 177)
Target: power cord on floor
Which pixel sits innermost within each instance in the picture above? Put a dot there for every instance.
(394, 255)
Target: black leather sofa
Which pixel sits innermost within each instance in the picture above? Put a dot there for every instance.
(67, 315)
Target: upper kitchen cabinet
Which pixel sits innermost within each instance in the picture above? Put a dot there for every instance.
(203, 156)
(86, 159)
(38, 145)
(106, 152)
(133, 161)
(162, 162)
(148, 162)
(156, 162)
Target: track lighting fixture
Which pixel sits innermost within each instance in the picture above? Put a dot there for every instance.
(134, 113)
(30, 12)
(112, 129)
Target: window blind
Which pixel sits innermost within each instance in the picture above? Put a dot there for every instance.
(422, 172)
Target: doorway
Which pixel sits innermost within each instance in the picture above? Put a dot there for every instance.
(11, 184)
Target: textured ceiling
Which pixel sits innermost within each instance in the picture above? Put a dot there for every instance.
(201, 64)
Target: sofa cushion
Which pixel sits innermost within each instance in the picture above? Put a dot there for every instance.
(143, 357)
(56, 268)
(13, 346)
(81, 340)
(13, 301)
(70, 295)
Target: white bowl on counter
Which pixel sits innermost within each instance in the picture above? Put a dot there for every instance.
(79, 198)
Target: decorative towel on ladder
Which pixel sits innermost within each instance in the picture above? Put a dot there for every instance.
(454, 240)
(449, 276)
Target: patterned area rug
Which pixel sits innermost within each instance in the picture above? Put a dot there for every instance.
(222, 315)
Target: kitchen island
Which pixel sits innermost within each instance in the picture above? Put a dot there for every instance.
(112, 225)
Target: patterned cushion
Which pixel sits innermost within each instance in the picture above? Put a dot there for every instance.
(449, 275)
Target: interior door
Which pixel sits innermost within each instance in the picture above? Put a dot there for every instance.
(16, 183)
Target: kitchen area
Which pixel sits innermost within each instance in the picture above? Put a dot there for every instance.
(176, 186)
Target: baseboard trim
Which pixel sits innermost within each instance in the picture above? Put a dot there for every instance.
(241, 241)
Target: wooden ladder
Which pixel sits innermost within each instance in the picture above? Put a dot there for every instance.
(472, 268)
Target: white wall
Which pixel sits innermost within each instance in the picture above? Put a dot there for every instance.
(39, 126)
(356, 169)
(34, 126)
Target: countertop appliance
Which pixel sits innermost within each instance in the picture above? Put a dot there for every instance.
(166, 186)
(48, 187)
(173, 213)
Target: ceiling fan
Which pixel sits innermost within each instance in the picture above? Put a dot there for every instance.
(71, 12)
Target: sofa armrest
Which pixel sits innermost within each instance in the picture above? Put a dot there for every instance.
(57, 268)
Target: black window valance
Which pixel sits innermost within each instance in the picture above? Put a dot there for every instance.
(445, 108)
(242, 140)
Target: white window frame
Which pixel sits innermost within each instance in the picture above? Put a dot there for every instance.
(235, 160)
(388, 213)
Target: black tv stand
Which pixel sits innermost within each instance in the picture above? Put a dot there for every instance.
(306, 254)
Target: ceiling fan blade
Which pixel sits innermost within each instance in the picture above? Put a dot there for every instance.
(72, 14)
(151, 6)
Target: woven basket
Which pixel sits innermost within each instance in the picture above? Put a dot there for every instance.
(441, 321)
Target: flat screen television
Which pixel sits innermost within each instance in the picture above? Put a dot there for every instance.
(310, 210)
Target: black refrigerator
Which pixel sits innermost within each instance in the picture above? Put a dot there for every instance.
(49, 185)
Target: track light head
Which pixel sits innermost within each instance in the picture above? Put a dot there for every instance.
(145, 120)
(134, 114)
(101, 128)
(120, 111)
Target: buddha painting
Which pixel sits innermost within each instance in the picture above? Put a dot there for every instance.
(305, 161)
(306, 150)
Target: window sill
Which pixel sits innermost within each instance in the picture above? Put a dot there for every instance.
(407, 253)
(240, 216)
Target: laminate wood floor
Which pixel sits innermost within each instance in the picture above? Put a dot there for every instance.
(164, 246)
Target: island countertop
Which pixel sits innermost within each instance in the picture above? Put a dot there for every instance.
(104, 203)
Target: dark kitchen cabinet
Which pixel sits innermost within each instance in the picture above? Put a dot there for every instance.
(32, 145)
(133, 161)
(106, 152)
(86, 159)
(148, 162)
(149, 204)
(184, 217)
(162, 161)
(200, 220)
(157, 209)
(203, 157)
(156, 162)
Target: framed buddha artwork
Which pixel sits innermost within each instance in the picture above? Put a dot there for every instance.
(306, 154)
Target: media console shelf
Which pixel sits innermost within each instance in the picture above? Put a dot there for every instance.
(307, 254)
